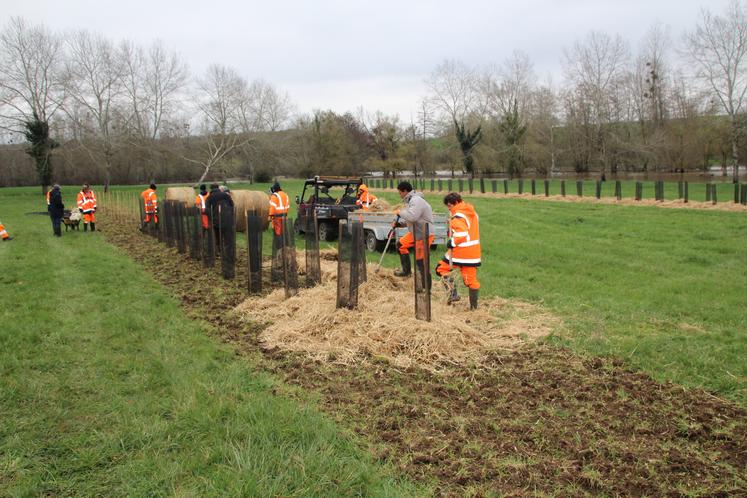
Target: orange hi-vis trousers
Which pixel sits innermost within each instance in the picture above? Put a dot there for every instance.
(469, 273)
(407, 241)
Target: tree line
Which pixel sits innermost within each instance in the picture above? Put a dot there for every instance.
(78, 107)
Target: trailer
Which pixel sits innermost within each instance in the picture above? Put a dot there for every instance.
(376, 226)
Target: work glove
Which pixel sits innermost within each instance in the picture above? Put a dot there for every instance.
(80, 210)
(449, 244)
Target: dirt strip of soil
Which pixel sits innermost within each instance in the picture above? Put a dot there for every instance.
(537, 421)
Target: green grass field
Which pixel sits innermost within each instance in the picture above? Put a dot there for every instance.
(109, 390)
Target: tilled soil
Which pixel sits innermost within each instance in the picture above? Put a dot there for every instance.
(537, 421)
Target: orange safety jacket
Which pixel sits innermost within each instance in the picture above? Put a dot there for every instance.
(200, 203)
(87, 201)
(48, 193)
(464, 227)
(279, 204)
(365, 199)
(150, 200)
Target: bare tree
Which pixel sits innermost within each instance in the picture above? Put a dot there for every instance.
(93, 82)
(717, 47)
(453, 92)
(152, 81)
(264, 108)
(595, 68)
(508, 85)
(30, 88)
(219, 96)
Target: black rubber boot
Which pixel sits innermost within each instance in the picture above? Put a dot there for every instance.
(451, 287)
(58, 231)
(93, 226)
(85, 227)
(473, 293)
(406, 266)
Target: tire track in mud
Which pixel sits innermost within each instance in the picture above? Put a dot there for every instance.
(540, 420)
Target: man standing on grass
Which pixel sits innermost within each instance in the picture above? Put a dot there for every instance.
(201, 202)
(416, 213)
(463, 248)
(218, 203)
(150, 204)
(56, 209)
(87, 206)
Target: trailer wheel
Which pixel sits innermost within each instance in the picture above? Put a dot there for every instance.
(372, 243)
(326, 232)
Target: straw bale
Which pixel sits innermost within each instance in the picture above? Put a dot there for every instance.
(380, 205)
(184, 194)
(384, 324)
(244, 200)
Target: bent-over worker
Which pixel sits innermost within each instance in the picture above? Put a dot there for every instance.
(365, 198)
(464, 247)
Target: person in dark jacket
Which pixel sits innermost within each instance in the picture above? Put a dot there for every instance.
(56, 209)
(219, 198)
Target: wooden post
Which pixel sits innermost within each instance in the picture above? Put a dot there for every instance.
(461, 185)
(482, 185)
(505, 186)
(547, 188)
(638, 191)
(494, 185)
(521, 186)
(470, 184)
(534, 187)
(680, 189)
(598, 191)
(580, 188)
(562, 188)
(713, 193)
(618, 190)
(440, 185)
(708, 192)
(686, 192)
(736, 193)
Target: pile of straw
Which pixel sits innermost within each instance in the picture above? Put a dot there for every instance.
(380, 205)
(384, 325)
(183, 194)
(244, 200)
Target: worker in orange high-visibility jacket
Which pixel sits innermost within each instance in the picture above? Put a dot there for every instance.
(200, 203)
(464, 248)
(365, 198)
(150, 204)
(87, 206)
(4, 233)
(279, 206)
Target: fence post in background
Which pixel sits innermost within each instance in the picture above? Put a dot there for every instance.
(505, 186)
(714, 195)
(744, 194)
(494, 185)
(736, 193)
(562, 188)
(638, 191)
(433, 185)
(708, 192)
(461, 185)
(680, 189)
(580, 188)
(598, 190)
(618, 190)
(686, 192)
(521, 185)
(547, 188)
(482, 185)
(449, 184)
(440, 185)
(534, 187)
(470, 185)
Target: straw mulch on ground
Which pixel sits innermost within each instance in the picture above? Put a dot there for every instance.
(384, 325)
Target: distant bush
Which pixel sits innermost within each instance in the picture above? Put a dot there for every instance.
(262, 176)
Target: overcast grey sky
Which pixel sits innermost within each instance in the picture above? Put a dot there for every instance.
(339, 55)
